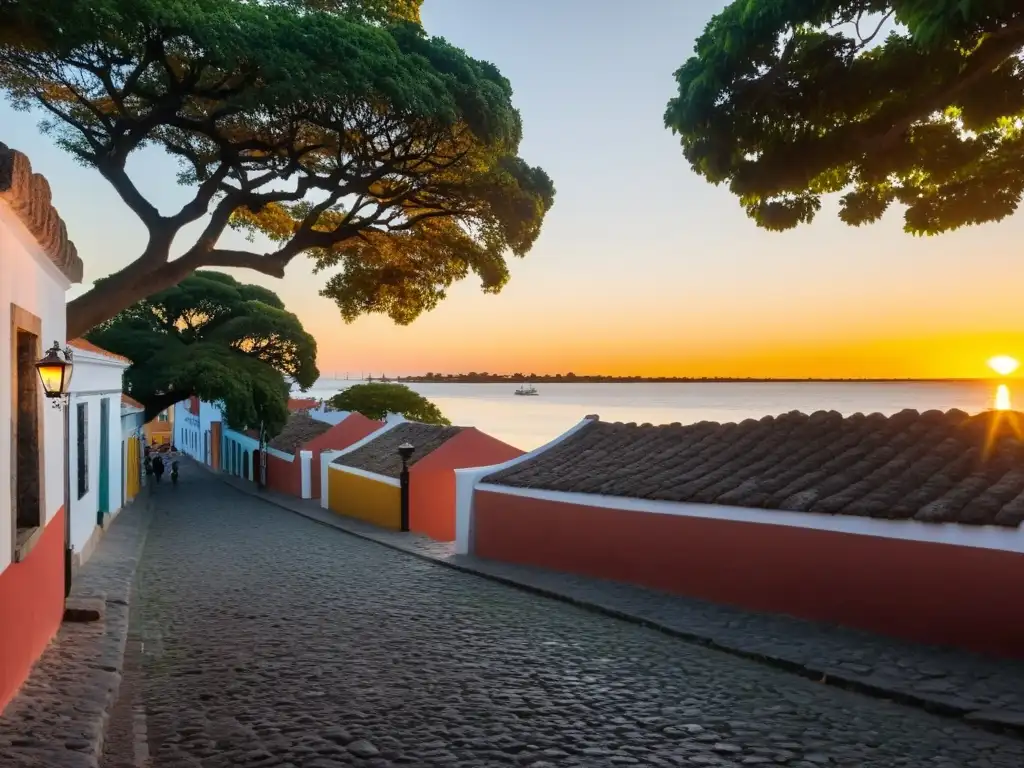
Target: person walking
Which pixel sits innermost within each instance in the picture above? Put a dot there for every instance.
(158, 467)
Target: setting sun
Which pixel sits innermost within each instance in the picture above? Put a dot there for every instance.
(1003, 365)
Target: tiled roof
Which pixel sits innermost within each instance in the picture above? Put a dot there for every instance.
(381, 455)
(28, 194)
(130, 402)
(301, 403)
(298, 430)
(88, 346)
(932, 466)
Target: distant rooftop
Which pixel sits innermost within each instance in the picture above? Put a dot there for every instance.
(298, 430)
(380, 455)
(88, 346)
(931, 467)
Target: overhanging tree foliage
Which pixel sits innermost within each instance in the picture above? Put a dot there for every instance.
(213, 337)
(376, 400)
(788, 100)
(335, 127)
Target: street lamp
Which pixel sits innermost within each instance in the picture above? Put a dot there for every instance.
(55, 371)
(405, 453)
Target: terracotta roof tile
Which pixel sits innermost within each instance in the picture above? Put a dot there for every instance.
(131, 402)
(28, 194)
(302, 403)
(931, 466)
(298, 430)
(381, 455)
(88, 346)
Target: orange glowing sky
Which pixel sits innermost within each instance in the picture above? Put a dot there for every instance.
(642, 267)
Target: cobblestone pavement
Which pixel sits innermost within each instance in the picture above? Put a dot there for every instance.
(268, 640)
(59, 716)
(985, 691)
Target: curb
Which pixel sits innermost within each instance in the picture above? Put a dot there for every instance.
(994, 720)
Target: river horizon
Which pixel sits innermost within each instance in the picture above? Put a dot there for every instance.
(529, 422)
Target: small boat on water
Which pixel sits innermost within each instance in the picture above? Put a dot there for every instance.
(527, 391)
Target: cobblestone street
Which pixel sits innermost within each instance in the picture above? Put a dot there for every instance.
(269, 640)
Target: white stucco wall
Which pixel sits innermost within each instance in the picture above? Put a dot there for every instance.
(96, 378)
(29, 280)
(132, 421)
(190, 429)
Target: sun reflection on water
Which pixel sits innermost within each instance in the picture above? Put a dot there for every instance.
(1002, 401)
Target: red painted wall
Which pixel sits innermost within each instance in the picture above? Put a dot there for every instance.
(352, 429)
(432, 480)
(284, 476)
(31, 607)
(932, 593)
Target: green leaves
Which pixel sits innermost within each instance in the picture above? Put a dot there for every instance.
(213, 337)
(789, 100)
(322, 124)
(376, 400)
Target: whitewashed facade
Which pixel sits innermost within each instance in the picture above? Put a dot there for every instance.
(37, 266)
(95, 452)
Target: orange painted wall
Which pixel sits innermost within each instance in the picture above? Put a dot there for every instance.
(216, 435)
(931, 593)
(353, 428)
(432, 480)
(31, 607)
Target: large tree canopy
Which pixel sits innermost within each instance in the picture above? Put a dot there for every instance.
(377, 399)
(213, 337)
(788, 100)
(338, 128)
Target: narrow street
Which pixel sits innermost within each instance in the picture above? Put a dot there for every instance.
(269, 640)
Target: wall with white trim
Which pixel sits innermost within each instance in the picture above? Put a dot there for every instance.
(467, 480)
(96, 378)
(28, 279)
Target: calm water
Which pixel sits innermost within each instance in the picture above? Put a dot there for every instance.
(528, 422)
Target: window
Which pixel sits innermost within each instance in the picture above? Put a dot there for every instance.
(162, 416)
(82, 426)
(26, 437)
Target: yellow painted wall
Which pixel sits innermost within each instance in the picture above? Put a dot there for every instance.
(133, 481)
(365, 499)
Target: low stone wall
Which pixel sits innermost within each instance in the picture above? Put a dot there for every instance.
(941, 584)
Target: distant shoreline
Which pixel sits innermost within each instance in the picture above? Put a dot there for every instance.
(467, 379)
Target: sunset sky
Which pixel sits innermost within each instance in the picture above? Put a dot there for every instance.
(642, 267)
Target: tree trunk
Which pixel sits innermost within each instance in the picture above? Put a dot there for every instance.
(156, 405)
(121, 290)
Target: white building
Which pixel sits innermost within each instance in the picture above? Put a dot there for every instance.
(37, 266)
(197, 430)
(95, 453)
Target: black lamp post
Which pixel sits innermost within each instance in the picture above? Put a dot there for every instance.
(55, 371)
(405, 452)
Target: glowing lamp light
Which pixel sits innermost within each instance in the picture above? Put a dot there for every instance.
(55, 371)
(1004, 365)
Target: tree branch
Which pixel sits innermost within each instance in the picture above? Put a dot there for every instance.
(987, 57)
(113, 171)
(271, 264)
